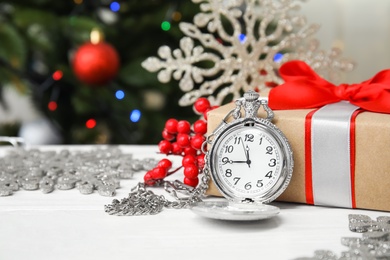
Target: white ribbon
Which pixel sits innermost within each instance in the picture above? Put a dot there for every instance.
(330, 144)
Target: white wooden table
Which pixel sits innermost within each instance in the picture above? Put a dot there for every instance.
(69, 225)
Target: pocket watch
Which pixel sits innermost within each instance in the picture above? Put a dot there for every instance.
(250, 162)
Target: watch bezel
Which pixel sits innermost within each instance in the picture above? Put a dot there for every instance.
(286, 166)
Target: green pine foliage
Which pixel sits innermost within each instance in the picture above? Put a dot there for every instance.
(39, 37)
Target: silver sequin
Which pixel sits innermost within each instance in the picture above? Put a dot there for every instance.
(96, 170)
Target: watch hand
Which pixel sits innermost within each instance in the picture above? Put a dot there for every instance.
(246, 151)
(243, 146)
(238, 161)
(231, 161)
(248, 161)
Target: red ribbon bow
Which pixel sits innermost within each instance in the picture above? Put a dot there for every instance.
(304, 88)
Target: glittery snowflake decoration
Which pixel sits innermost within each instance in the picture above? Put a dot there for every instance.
(373, 245)
(236, 45)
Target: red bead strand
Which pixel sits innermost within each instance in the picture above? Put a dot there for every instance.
(180, 138)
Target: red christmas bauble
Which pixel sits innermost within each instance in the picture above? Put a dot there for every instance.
(96, 64)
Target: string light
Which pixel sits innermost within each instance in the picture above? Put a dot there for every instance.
(135, 116)
(176, 16)
(49, 82)
(57, 75)
(96, 36)
(52, 106)
(115, 6)
(91, 123)
(242, 38)
(278, 57)
(166, 26)
(119, 94)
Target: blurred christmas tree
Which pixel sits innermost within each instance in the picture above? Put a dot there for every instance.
(92, 93)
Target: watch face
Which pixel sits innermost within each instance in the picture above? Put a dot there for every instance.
(248, 162)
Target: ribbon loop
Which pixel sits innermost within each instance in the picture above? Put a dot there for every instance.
(303, 88)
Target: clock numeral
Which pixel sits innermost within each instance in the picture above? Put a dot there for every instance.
(249, 137)
(228, 173)
(269, 150)
(272, 162)
(248, 186)
(236, 180)
(261, 141)
(269, 174)
(225, 160)
(237, 140)
(259, 183)
(229, 149)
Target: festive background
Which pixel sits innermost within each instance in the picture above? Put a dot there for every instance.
(46, 57)
(81, 97)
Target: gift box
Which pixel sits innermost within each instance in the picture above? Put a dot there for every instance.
(372, 163)
(341, 151)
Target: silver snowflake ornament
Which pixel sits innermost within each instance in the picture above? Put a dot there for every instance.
(373, 245)
(236, 45)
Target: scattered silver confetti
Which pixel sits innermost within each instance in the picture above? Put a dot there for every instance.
(96, 170)
(373, 245)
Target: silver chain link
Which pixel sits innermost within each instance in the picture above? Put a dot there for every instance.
(145, 202)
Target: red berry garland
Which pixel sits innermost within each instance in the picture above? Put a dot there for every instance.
(165, 146)
(191, 182)
(200, 127)
(189, 150)
(183, 127)
(148, 179)
(165, 163)
(189, 159)
(201, 105)
(176, 149)
(171, 126)
(167, 135)
(183, 140)
(159, 173)
(197, 141)
(200, 159)
(179, 138)
(191, 171)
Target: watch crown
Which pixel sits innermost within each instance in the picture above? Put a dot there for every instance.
(251, 95)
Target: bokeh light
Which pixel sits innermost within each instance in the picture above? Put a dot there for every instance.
(57, 75)
(242, 38)
(166, 26)
(119, 94)
(135, 116)
(52, 106)
(91, 123)
(278, 57)
(115, 6)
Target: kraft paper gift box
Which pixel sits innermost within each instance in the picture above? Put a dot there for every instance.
(369, 184)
